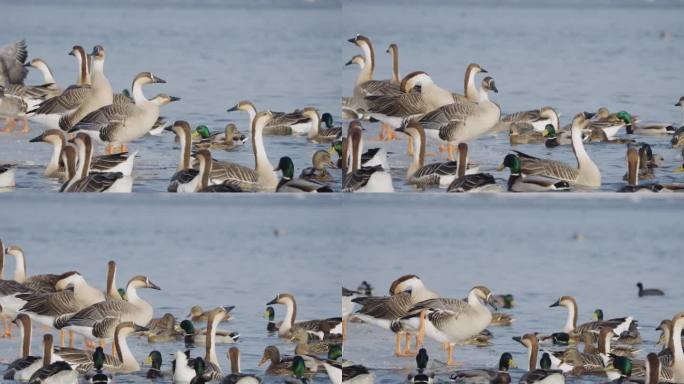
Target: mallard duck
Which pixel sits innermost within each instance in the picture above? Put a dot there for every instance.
(610, 123)
(318, 172)
(236, 376)
(198, 315)
(421, 377)
(527, 127)
(586, 174)
(98, 363)
(163, 330)
(288, 183)
(304, 347)
(281, 365)
(269, 314)
(154, 360)
(504, 300)
(318, 134)
(553, 139)
(598, 135)
(230, 138)
(519, 183)
(199, 336)
(481, 376)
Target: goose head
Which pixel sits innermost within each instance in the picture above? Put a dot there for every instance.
(78, 52)
(678, 320)
(15, 251)
(357, 59)
(282, 298)
(322, 159)
(181, 128)
(52, 136)
(415, 79)
(529, 340)
(245, 106)
(142, 282)
(66, 279)
(392, 49)
(217, 314)
(270, 353)
(474, 69)
(286, 166)
(38, 64)
(360, 41)
(163, 99)
(146, 78)
(564, 301)
(579, 121)
(405, 283)
(98, 53)
(483, 293)
(489, 85)
(680, 103)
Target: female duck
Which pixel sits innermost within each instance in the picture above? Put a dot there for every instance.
(318, 172)
(492, 376)
(229, 139)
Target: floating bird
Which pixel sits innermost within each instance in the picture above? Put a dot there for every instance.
(650, 291)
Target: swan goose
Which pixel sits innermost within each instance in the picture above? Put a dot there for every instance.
(678, 354)
(8, 175)
(23, 367)
(99, 94)
(100, 319)
(393, 50)
(9, 289)
(619, 325)
(534, 375)
(54, 370)
(50, 111)
(317, 134)
(322, 329)
(13, 72)
(86, 181)
(121, 123)
(351, 106)
(452, 320)
(362, 178)
(281, 123)
(49, 83)
(236, 376)
(288, 183)
(586, 174)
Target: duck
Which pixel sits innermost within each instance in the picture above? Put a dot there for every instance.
(500, 376)
(304, 347)
(236, 376)
(463, 120)
(50, 111)
(532, 122)
(8, 175)
(163, 330)
(98, 364)
(328, 120)
(288, 183)
(23, 367)
(544, 375)
(586, 174)
(281, 365)
(269, 314)
(421, 377)
(519, 183)
(53, 371)
(230, 139)
(553, 139)
(198, 315)
(633, 173)
(320, 161)
(154, 360)
(610, 123)
(505, 300)
(618, 325)
(362, 179)
(122, 362)
(440, 174)
(593, 361)
(452, 320)
(86, 181)
(476, 182)
(281, 123)
(317, 134)
(323, 328)
(649, 291)
(121, 123)
(183, 368)
(97, 96)
(604, 345)
(355, 374)
(100, 319)
(194, 336)
(598, 135)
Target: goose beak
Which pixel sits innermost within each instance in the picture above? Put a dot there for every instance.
(152, 285)
(274, 301)
(680, 169)
(174, 98)
(482, 70)
(228, 308)
(400, 129)
(352, 40)
(169, 128)
(234, 108)
(26, 65)
(157, 80)
(679, 104)
(37, 139)
(71, 53)
(556, 304)
(518, 339)
(496, 90)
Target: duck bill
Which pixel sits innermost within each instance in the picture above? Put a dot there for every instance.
(263, 360)
(680, 169)
(148, 361)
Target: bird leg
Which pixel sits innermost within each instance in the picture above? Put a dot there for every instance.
(7, 326)
(109, 150)
(409, 146)
(10, 124)
(420, 336)
(450, 152)
(61, 338)
(407, 346)
(114, 349)
(344, 329)
(450, 359)
(89, 344)
(123, 148)
(71, 339)
(389, 132)
(397, 345)
(25, 128)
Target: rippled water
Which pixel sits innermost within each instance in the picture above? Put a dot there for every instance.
(574, 56)
(595, 249)
(279, 55)
(242, 256)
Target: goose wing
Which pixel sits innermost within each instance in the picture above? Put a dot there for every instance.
(69, 100)
(96, 182)
(446, 114)
(82, 361)
(12, 59)
(50, 304)
(88, 316)
(379, 87)
(18, 365)
(469, 182)
(351, 371)
(402, 105)
(105, 162)
(358, 179)
(222, 171)
(41, 375)
(11, 287)
(103, 119)
(387, 307)
(445, 168)
(550, 168)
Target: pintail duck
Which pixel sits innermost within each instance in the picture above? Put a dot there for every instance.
(546, 374)
(229, 139)
(492, 376)
(519, 183)
(53, 370)
(85, 180)
(586, 174)
(362, 178)
(288, 183)
(236, 376)
(625, 327)
(318, 134)
(281, 123)
(320, 161)
(322, 329)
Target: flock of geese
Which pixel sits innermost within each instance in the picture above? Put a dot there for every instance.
(598, 348)
(88, 114)
(65, 304)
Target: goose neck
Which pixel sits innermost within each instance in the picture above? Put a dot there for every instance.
(19, 267)
(123, 352)
(290, 315)
(262, 166)
(367, 70)
(469, 87)
(205, 171)
(678, 354)
(571, 322)
(633, 173)
(210, 353)
(315, 125)
(462, 161)
(48, 78)
(47, 352)
(185, 143)
(25, 330)
(138, 95)
(83, 70)
(112, 292)
(57, 147)
(396, 78)
(418, 154)
(532, 352)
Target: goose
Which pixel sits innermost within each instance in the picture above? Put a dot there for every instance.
(53, 371)
(618, 350)
(281, 365)
(190, 181)
(478, 376)
(12, 59)
(519, 183)
(236, 376)
(586, 174)
(536, 120)
(393, 50)
(435, 174)
(50, 111)
(452, 320)
(23, 367)
(353, 374)
(100, 94)
(154, 360)
(666, 355)
(545, 374)
(8, 175)
(86, 181)
(678, 138)
(100, 319)
(11, 106)
(10, 304)
(476, 182)
(212, 368)
(367, 178)
(124, 361)
(289, 184)
(49, 83)
(192, 336)
(318, 172)
(322, 329)
(262, 178)
(591, 362)
(352, 108)
(281, 123)
(121, 123)
(229, 139)
(678, 353)
(317, 134)
(633, 164)
(180, 181)
(618, 325)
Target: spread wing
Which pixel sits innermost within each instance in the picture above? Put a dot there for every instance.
(12, 59)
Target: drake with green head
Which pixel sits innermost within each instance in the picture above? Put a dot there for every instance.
(518, 183)
(320, 161)
(328, 120)
(554, 139)
(194, 336)
(269, 314)
(287, 182)
(229, 139)
(499, 376)
(98, 362)
(200, 366)
(154, 360)
(299, 369)
(281, 365)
